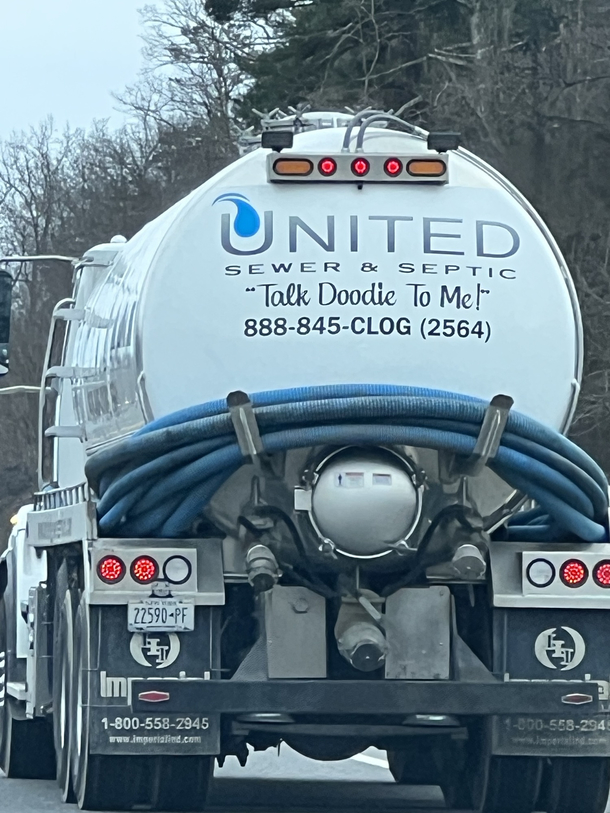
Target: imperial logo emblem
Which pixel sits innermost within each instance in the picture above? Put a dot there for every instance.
(158, 649)
(560, 648)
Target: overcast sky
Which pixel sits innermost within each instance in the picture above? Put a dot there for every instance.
(65, 57)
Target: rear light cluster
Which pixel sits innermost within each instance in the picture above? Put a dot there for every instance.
(345, 167)
(144, 569)
(572, 573)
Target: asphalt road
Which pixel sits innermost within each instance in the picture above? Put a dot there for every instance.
(288, 783)
(272, 783)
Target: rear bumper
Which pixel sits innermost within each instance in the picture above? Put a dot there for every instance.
(366, 697)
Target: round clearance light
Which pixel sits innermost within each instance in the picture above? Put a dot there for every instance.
(393, 167)
(360, 167)
(111, 569)
(540, 573)
(327, 167)
(573, 573)
(177, 570)
(601, 573)
(144, 569)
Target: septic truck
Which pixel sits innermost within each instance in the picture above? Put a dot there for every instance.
(304, 478)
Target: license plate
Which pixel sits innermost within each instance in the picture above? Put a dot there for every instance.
(160, 615)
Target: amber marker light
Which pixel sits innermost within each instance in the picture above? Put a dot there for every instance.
(426, 167)
(293, 167)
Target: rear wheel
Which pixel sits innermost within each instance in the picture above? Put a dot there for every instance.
(26, 746)
(416, 762)
(99, 782)
(578, 785)
(63, 664)
(182, 783)
(474, 778)
(513, 784)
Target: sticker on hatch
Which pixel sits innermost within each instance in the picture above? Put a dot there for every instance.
(158, 650)
(560, 648)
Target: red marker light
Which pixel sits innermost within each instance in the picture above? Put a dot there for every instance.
(111, 569)
(327, 167)
(601, 574)
(144, 569)
(393, 167)
(577, 699)
(573, 573)
(153, 696)
(360, 167)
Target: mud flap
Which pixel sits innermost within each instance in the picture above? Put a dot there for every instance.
(559, 646)
(542, 735)
(118, 657)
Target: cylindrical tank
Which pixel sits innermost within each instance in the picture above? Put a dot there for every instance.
(254, 286)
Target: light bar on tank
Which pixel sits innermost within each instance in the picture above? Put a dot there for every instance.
(288, 167)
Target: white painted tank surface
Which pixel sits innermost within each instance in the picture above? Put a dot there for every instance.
(251, 285)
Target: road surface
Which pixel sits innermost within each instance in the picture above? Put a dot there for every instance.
(272, 783)
(288, 783)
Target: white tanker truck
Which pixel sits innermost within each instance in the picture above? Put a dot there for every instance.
(304, 479)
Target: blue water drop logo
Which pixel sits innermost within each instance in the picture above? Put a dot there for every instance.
(247, 220)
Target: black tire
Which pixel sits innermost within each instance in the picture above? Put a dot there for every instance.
(513, 784)
(473, 779)
(63, 659)
(416, 762)
(182, 783)
(99, 782)
(578, 785)
(26, 746)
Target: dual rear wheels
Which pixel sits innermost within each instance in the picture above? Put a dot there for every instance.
(476, 780)
(469, 776)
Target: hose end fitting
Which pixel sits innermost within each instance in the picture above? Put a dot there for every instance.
(262, 568)
(469, 562)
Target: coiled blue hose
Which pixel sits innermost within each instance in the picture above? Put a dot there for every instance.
(157, 482)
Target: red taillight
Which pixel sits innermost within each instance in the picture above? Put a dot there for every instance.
(144, 569)
(360, 167)
(573, 573)
(601, 574)
(111, 569)
(327, 166)
(393, 167)
(153, 696)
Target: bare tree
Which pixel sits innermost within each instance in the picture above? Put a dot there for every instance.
(196, 68)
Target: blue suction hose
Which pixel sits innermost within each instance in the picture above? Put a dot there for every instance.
(157, 482)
